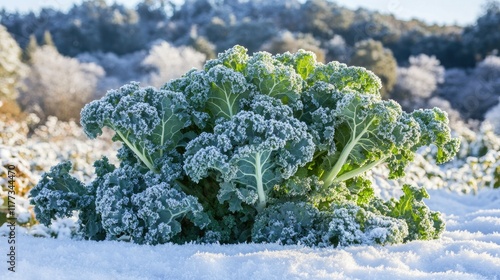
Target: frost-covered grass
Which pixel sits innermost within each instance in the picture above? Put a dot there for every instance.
(469, 249)
(34, 153)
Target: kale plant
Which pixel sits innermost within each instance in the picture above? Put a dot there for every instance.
(255, 148)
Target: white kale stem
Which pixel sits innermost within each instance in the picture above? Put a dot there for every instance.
(141, 156)
(358, 171)
(330, 177)
(260, 187)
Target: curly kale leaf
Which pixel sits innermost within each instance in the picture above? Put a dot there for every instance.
(357, 190)
(58, 194)
(355, 132)
(227, 226)
(114, 203)
(351, 224)
(270, 75)
(215, 94)
(250, 153)
(89, 219)
(144, 207)
(227, 89)
(304, 62)
(423, 224)
(219, 92)
(288, 223)
(162, 207)
(235, 58)
(147, 121)
(273, 78)
(437, 132)
(347, 78)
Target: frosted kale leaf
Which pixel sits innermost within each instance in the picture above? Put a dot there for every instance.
(58, 194)
(147, 121)
(288, 223)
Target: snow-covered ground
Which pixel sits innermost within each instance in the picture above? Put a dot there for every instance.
(469, 249)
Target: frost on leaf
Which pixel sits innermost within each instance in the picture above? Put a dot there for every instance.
(351, 224)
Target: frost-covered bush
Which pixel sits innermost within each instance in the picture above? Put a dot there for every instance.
(13, 132)
(251, 148)
(493, 117)
(417, 82)
(11, 67)
(119, 69)
(57, 85)
(337, 49)
(169, 62)
(474, 93)
(482, 36)
(479, 143)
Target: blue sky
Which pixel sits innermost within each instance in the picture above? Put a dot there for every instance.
(462, 12)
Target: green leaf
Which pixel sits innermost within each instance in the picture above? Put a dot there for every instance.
(273, 78)
(350, 78)
(423, 224)
(250, 153)
(167, 134)
(435, 130)
(235, 58)
(227, 89)
(146, 120)
(58, 194)
(162, 209)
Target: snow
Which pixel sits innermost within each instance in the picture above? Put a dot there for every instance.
(469, 249)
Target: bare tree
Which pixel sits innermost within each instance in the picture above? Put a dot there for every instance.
(416, 83)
